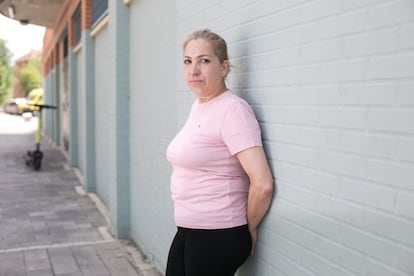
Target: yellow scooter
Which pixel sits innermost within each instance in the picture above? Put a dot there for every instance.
(34, 158)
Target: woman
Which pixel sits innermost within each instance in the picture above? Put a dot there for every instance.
(221, 182)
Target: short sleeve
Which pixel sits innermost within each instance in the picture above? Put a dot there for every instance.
(240, 129)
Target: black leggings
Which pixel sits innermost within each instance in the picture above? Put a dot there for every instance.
(199, 252)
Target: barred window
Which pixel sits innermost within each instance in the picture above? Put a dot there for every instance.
(99, 10)
(78, 23)
(65, 46)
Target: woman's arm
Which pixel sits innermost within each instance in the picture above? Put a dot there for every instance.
(254, 162)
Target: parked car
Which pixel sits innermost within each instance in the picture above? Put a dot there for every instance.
(11, 106)
(34, 97)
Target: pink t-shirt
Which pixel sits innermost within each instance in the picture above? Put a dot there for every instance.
(208, 185)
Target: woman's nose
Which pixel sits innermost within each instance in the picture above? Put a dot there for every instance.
(195, 69)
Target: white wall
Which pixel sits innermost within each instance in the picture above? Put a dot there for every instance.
(332, 84)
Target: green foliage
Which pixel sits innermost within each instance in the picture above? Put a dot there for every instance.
(5, 72)
(31, 75)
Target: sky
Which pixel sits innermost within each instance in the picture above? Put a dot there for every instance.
(20, 39)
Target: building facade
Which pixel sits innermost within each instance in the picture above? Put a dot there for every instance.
(331, 83)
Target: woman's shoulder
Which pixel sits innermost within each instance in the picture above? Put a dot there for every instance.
(230, 98)
(234, 101)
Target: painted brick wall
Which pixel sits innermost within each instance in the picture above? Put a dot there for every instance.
(105, 117)
(152, 124)
(82, 113)
(332, 84)
(60, 104)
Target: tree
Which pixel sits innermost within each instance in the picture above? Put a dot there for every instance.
(5, 72)
(31, 75)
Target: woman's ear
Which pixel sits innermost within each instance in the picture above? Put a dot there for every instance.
(225, 66)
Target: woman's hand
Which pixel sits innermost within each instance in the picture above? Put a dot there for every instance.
(253, 234)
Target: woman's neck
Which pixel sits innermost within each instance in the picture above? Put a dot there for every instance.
(206, 99)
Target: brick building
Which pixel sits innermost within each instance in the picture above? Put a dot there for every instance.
(331, 82)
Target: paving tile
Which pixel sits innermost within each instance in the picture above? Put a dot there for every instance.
(120, 266)
(43, 219)
(35, 254)
(13, 272)
(95, 270)
(34, 265)
(62, 260)
(36, 260)
(43, 272)
(11, 260)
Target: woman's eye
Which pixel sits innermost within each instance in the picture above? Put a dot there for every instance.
(187, 61)
(204, 60)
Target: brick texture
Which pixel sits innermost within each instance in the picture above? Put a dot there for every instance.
(336, 116)
(332, 84)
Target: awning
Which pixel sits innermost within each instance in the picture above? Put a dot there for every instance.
(37, 12)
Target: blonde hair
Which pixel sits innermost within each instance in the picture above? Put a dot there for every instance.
(218, 43)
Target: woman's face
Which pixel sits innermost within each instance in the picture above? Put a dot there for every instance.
(202, 69)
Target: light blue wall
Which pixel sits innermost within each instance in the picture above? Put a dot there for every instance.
(86, 108)
(306, 68)
(56, 102)
(88, 86)
(99, 89)
(60, 87)
(74, 108)
(105, 118)
(81, 107)
(119, 201)
(153, 123)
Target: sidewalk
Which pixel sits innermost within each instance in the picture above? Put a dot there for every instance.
(46, 226)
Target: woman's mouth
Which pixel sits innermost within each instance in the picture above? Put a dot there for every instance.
(195, 82)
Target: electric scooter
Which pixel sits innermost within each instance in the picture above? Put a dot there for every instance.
(34, 158)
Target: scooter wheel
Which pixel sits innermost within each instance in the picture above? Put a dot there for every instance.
(28, 158)
(37, 163)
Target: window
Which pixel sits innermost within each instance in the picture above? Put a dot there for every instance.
(78, 24)
(65, 46)
(99, 10)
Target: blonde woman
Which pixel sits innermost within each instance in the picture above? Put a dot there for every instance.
(221, 182)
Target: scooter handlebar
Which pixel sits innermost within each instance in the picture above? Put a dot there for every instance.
(44, 106)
